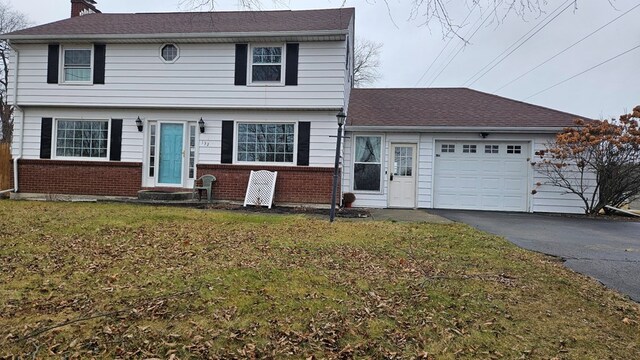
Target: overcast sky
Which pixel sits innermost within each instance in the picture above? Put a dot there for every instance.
(409, 48)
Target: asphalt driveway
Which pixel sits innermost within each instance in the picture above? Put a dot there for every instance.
(606, 250)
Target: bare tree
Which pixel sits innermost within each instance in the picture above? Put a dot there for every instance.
(10, 20)
(425, 11)
(599, 161)
(366, 62)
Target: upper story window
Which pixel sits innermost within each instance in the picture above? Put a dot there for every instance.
(76, 65)
(169, 53)
(266, 64)
(82, 139)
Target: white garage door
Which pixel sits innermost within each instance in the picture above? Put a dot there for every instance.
(481, 175)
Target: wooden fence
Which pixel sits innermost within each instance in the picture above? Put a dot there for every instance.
(5, 166)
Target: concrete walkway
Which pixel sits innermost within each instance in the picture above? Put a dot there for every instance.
(407, 215)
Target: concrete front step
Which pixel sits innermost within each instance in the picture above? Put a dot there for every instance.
(165, 195)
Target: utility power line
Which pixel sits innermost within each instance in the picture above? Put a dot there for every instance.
(444, 48)
(566, 49)
(536, 29)
(462, 47)
(583, 72)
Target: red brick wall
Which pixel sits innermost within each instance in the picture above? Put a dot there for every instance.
(295, 184)
(79, 177)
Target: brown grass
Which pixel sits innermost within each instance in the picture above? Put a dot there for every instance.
(105, 281)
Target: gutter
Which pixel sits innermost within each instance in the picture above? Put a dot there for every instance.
(177, 36)
(457, 129)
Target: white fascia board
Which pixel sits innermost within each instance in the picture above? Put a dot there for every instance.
(181, 107)
(454, 129)
(231, 36)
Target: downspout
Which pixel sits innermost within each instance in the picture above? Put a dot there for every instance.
(16, 107)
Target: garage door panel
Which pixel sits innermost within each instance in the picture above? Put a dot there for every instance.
(481, 180)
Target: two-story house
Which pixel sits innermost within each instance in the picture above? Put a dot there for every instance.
(109, 104)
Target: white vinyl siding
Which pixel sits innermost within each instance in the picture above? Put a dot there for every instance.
(203, 77)
(547, 199)
(321, 144)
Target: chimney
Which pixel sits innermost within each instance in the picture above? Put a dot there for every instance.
(83, 7)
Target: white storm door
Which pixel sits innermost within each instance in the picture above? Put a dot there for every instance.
(402, 176)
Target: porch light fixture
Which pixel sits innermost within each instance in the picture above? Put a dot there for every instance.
(341, 120)
(484, 135)
(201, 125)
(139, 124)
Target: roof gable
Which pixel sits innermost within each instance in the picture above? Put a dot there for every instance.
(448, 107)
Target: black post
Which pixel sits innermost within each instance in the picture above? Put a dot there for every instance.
(332, 215)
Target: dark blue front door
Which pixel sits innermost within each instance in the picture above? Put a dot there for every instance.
(171, 136)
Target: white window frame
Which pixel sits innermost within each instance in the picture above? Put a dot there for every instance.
(514, 149)
(165, 60)
(54, 141)
(489, 149)
(383, 151)
(236, 138)
(469, 148)
(448, 148)
(62, 77)
(283, 64)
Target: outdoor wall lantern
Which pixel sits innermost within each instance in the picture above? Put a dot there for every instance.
(201, 125)
(341, 119)
(139, 124)
(484, 135)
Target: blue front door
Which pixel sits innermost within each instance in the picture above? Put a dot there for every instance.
(171, 136)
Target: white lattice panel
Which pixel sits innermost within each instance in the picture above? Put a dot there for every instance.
(262, 186)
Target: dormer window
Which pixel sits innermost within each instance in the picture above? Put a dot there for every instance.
(77, 65)
(266, 64)
(169, 53)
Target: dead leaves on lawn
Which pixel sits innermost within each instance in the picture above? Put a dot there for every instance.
(176, 284)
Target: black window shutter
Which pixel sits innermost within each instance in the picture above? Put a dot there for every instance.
(291, 77)
(53, 66)
(116, 140)
(227, 143)
(241, 64)
(45, 138)
(99, 53)
(304, 133)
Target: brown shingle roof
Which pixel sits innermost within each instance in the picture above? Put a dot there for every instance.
(197, 23)
(448, 107)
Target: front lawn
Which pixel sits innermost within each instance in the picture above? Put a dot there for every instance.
(105, 281)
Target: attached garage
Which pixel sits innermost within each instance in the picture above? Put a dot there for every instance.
(481, 175)
(451, 148)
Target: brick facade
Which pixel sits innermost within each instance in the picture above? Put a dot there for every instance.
(79, 177)
(295, 184)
